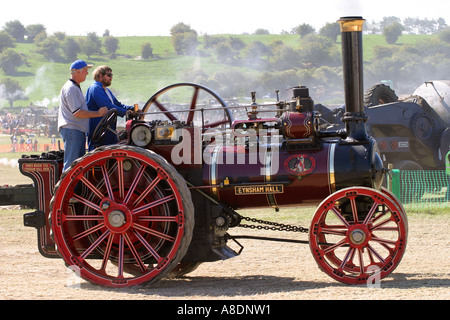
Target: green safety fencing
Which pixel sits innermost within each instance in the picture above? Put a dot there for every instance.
(422, 189)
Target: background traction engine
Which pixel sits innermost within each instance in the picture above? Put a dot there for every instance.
(165, 198)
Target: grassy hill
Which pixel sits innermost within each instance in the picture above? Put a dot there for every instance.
(135, 80)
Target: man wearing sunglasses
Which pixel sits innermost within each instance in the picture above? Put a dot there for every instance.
(98, 95)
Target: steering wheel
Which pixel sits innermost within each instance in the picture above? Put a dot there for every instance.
(105, 124)
(201, 108)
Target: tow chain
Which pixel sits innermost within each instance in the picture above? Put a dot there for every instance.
(274, 225)
(269, 225)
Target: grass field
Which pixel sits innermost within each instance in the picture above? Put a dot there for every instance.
(135, 80)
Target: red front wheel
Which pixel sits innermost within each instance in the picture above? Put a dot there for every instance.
(358, 235)
(122, 216)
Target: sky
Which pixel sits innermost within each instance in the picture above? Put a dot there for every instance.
(154, 18)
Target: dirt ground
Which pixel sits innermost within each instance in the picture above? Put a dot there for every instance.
(264, 271)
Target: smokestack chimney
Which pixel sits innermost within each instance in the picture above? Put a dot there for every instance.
(352, 57)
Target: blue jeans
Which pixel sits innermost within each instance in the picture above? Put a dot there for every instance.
(74, 145)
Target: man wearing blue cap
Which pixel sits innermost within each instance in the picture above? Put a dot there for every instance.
(73, 116)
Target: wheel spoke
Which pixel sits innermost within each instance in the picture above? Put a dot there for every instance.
(371, 249)
(88, 232)
(135, 254)
(384, 241)
(354, 209)
(158, 218)
(107, 182)
(134, 184)
(120, 178)
(107, 252)
(193, 105)
(347, 257)
(380, 225)
(370, 214)
(92, 187)
(153, 204)
(339, 215)
(216, 123)
(166, 112)
(87, 203)
(334, 230)
(84, 218)
(147, 246)
(361, 262)
(121, 257)
(154, 232)
(147, 190)
(95, 244)
(335, 246)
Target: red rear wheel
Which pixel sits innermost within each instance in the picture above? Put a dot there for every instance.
(358, 235)
(122, 216)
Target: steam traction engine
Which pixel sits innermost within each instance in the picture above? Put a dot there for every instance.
(164, 199)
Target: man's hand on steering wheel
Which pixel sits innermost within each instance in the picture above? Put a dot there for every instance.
(133, 113)
(104, 124)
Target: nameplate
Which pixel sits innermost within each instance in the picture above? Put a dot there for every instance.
(258, 189)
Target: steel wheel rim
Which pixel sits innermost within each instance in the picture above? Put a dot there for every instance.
(362, 251)
(132, 227)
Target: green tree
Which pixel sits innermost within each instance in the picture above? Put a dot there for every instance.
(16, 30)
(91, 44)
(237, 43)
(181, 28)
(41, 36)
(258, 49)
(441, 24)
(388, 21)
(223, 51)
(50, 48)
(228, 49)
(444, 35)
(381, 52)
(210, 41)
(303, 30)
(6, 41)
(184, 39)
(59, 35)
(146, 50)
(261, 31)
(11, 90)
(70, 48)
(392, 32)
(111, 45)
(318, 51)
(33, 30)
(286, 58)
(331, 30)
(257, 55)
(10, 60)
